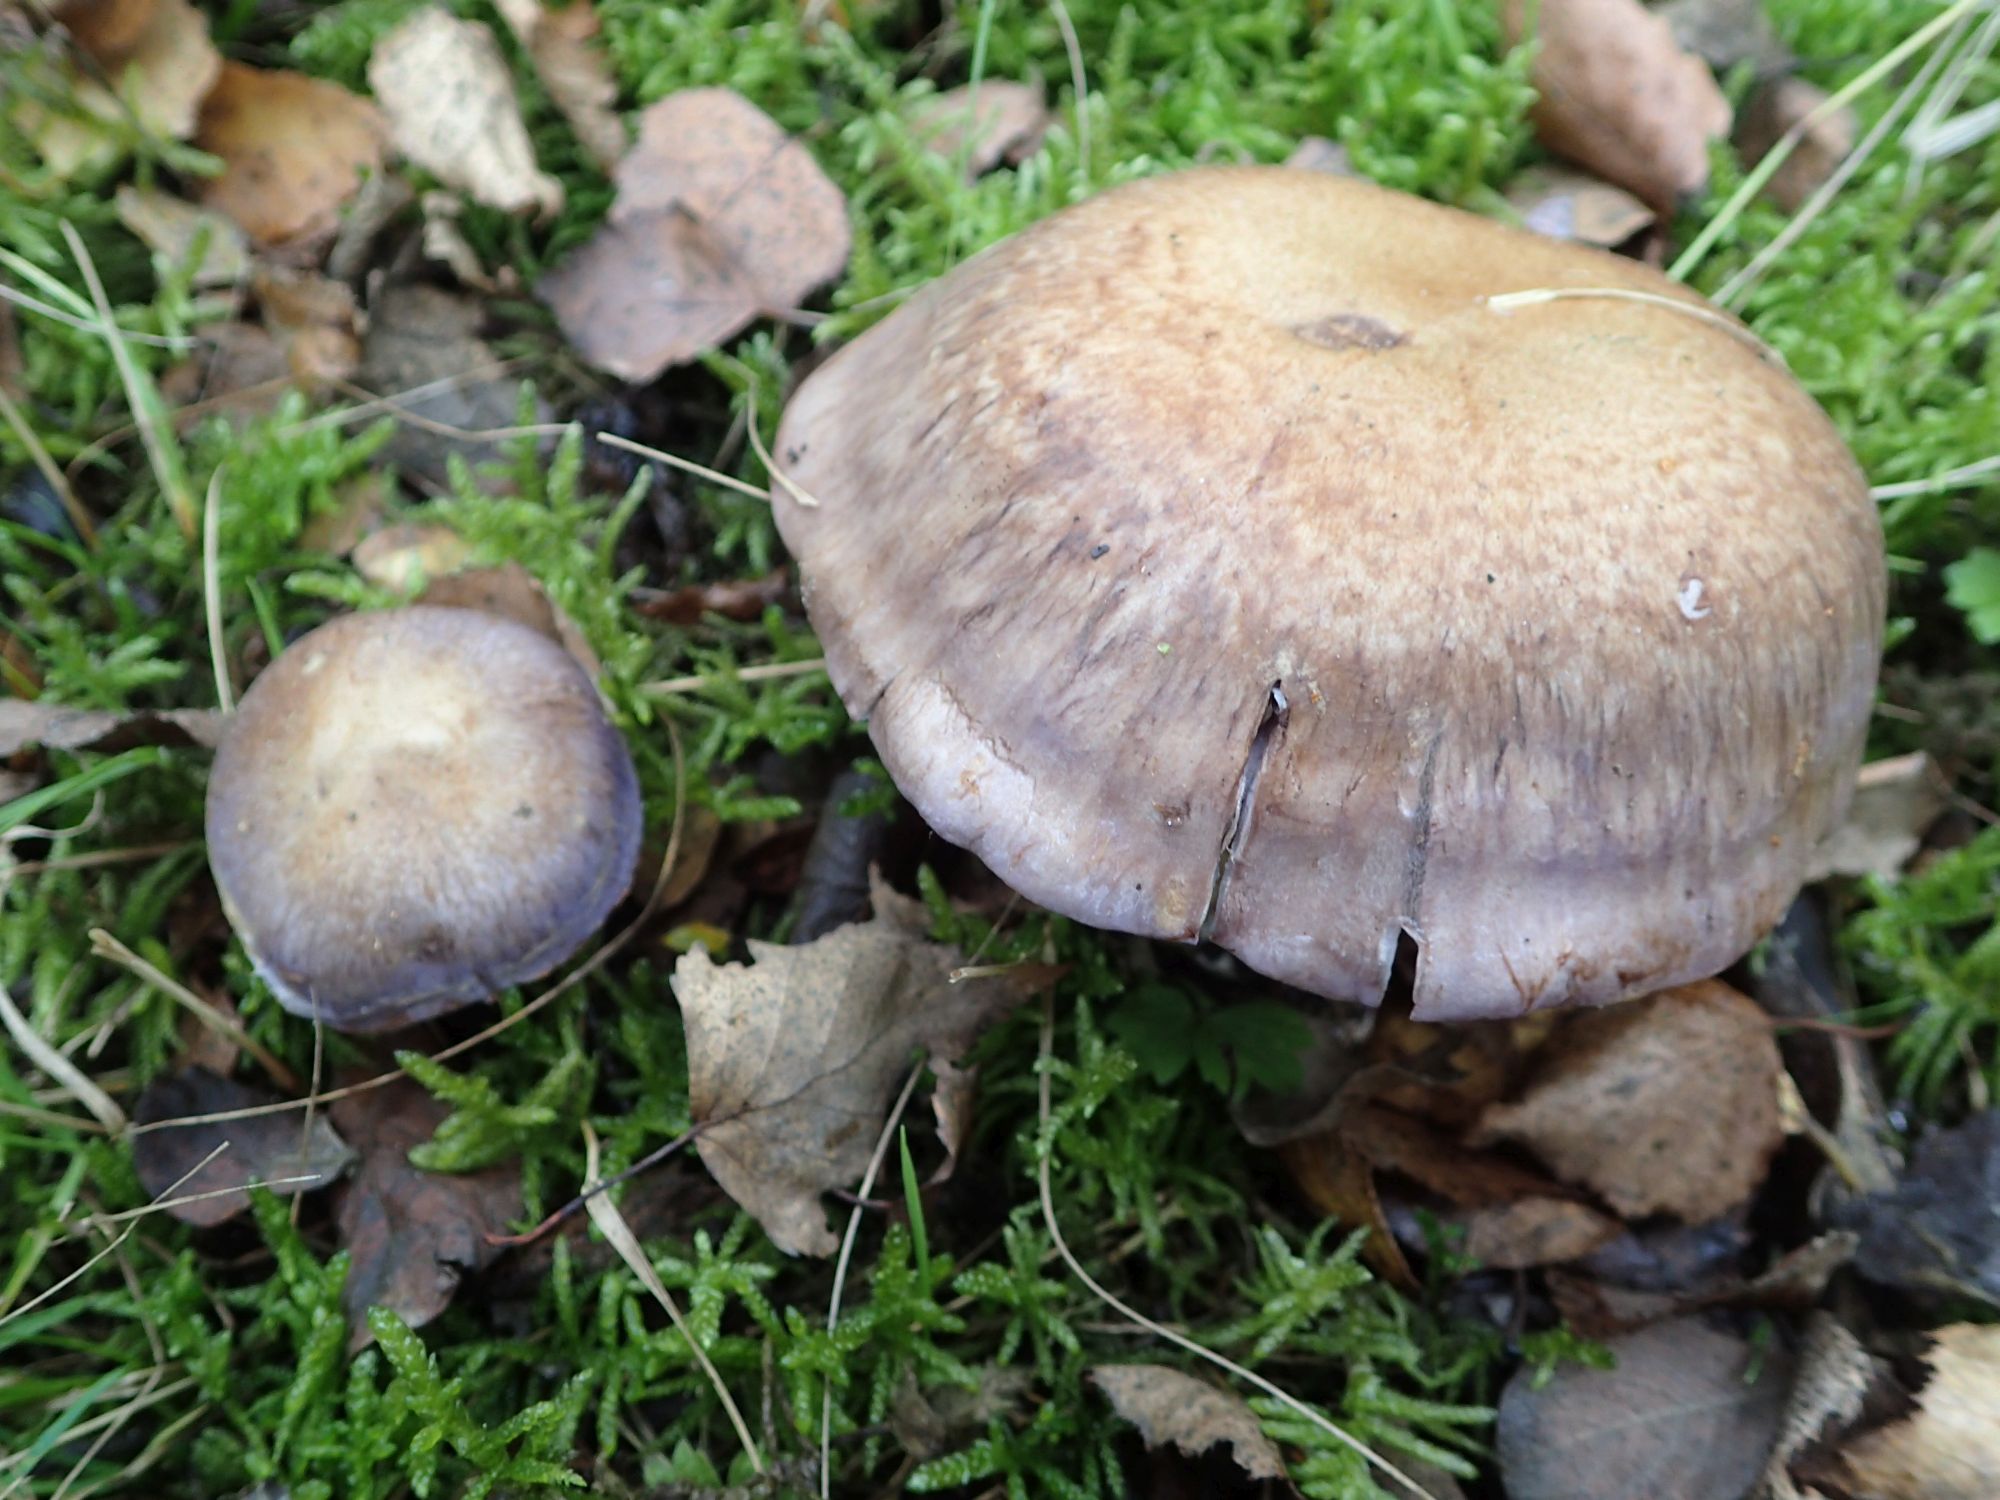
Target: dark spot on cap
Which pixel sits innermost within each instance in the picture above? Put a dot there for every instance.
(1349, 331)
(1099, 550)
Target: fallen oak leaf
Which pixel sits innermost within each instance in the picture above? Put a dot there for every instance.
(1663, 1105)
(293, 150)
(720, 217)
(1617, 94)
(450, 103)
(792, 1060)
(412, 1235)
(270, 1149)
(559, 42)
(1169, 1406)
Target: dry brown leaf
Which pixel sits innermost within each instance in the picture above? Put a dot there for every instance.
(158, 59)
(261, 1149)
(1774, 107)
(445, 243)
(1009, 126)
(719, 217)
(1533, 1231)
(54, 727)
(511, 590)
(1566, 204)
(424, 350)
(170, 226)
(1895, 803)
(792, 1060)
(316, 323)
(450, 103)
(1168, 1406)
(413, 1235)
(1618, 95)
(1662, 1105)
(1677, 1419)
(403, 557)
(293, 149)
(203, 1045)
(953, 1101)
(732, 598)
(1949, 1447)
(240, 368)
(560, 42)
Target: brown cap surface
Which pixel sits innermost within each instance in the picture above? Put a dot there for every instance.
(1211, 558)
(415, 809)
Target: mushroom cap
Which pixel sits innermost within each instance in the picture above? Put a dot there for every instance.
(416, 808)
(1213, 560)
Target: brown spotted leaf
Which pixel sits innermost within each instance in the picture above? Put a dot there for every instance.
(1168, 1406)
(413, 1235)
(293, 150)
(1662, 1105)
(1619, 96)
(450, 102)
(720, 217)
(792, 1059)
(260, 1149)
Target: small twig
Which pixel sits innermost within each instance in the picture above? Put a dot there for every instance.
(1079, 89)
(1535, 296)
(582, 1200)
(211, 590)
(93, 859)
(611, 1224)
(394, 404)
(172, 482)
(668, 686)
(104, 945)
(875, 1161)
(685, 465)
(59, 1068)
(84, 325)
(1961, 477)
(797, 491)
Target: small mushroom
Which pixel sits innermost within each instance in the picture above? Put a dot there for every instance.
(416, 808)
(1218, 558)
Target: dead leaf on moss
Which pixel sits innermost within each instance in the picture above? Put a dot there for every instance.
(512, 591)
(159, 62)
(261, 1149)
(1677, 1419)
(1774, 107)
(1949, 1447)
(1566, 204)
(449, 99)
(1723, 33)
(1835, 1375)
(732, 598)
(1618, 95)
(316, 322)
(56, 727)
(171, 227)
(402, 558)
(720, 217)
(293, 150)
(1010, 122)
(413, 1235)
(1662, 1105)
(240, 368)
(561, 43)
(792, 1060)
(1895, 803)
(1169, 1406)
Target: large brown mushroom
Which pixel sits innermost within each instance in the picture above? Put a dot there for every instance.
(416, 808)
(1218, 559)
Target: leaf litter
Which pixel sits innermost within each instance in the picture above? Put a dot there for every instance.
(211, 1186)
(1171, 1407)
(561, 44)
(793, 1059)
(293, 149)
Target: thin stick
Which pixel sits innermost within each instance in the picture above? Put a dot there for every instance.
(668, 686)
(685, 465)
(875, 1161)
(85, 325)
(59, 1068)
(1506, 302)
(347, 416)
(1776, 157)
(569, 981)
(168, 1204)
(1079, 89)
(53, 1117)
(1179, 1340)
(172, 483)
(797, 491)
(1951, 479)
(94, 858)
(611, 1224)
(651, 1159)
(211, 590)
(104, 945)
(43, 461)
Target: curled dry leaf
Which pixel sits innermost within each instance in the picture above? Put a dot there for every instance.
(413, 1235)
(171, 227)
(1949, 1447)
(1008, 125)
(261, 1149)
(1618, 95)
(1662, 1105)
(719, 217)
(1168, 1406)
(1566, 204)
(1834, 1379)
(1776, 106)
(561, 44)
(54, 727)
(449, 99)
(1678, 1418)
(792, 1060)
(293, 150)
